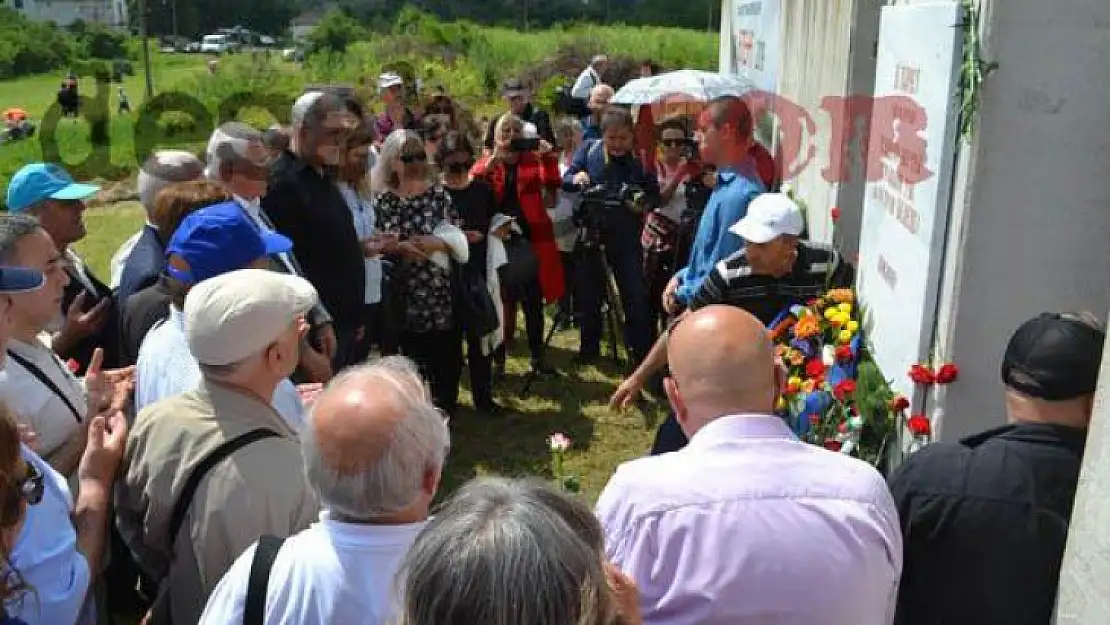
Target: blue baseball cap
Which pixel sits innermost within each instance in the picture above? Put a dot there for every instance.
(20, 280)
(44, 181)
(218, 239)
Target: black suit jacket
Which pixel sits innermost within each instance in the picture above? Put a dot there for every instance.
(308, 208)
(143, 266)
(108, 336)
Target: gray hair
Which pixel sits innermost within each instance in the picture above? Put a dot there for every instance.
(385, 176)
(13, 227)
(229, 144)
(162, 169)
(507, 552)
(418, 443)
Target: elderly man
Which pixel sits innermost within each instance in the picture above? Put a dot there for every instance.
(239, 160)
(590, 77)
(38, 387)
(986, 518)
(49, 193)
(519, 99)
(304, 203)
(775, 270)
(373, 454)
(209, 242)
(139, 261)
(598, 102)
(748, 524)
(236, 472)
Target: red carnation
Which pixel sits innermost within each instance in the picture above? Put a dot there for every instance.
(947, 374)
(898, 404)
(919, 425)
(922, 374)
(843, 389)
(833, 445)
(835, 214)
(73, 365)
(844, 353)
(815, 369)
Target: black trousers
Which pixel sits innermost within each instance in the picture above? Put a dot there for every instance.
(480, 367)
(567, 305)
(624, 256)
(669, 437)
(438, 354)
(530, 298)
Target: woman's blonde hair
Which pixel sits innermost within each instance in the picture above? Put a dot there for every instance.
(385, 176)
(506, 120)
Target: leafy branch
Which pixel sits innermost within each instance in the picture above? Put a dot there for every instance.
(973, 71)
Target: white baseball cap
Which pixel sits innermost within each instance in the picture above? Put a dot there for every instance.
(770, 216)
(233, 316)
(389, 79)
(303, 104)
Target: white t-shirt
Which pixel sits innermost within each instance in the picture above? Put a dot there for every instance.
(34, 404)
(328, 574)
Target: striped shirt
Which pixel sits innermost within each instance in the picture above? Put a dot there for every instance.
(732, 282)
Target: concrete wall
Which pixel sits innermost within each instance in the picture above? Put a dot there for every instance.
(1030, 227)
(828, 50)
(1084, 597)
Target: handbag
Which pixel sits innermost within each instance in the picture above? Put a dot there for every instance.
(474, 306)
(522, 267)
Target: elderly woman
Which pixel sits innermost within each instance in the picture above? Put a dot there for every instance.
(409, 208)
(524, 180)
(509, 552)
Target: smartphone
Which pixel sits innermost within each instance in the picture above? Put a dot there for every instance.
(525, 145)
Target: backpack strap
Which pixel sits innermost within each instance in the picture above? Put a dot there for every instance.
(181, 507)
(254, 608)
(41, 376)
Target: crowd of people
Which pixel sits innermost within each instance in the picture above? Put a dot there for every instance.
(250, 421)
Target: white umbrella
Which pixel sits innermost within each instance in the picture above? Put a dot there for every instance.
(694, 84)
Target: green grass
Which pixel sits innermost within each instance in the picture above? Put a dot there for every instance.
(513, 445)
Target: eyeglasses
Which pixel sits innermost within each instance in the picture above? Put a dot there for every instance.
(31, 486)
(414, 157)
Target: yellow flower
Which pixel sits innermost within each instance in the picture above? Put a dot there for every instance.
(852, 326)
(808, 386)
(845, 308)
(831, 313)
(845, 336)
(838, 318)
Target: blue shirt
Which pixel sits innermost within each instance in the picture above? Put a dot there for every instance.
(46, 555)
(713, 242)
(590, 130)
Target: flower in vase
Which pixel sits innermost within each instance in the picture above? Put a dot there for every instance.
(844, 389)
(922, 374)
(815, 419)
(793, 385)
(815, 369)
(899, 404)
(844, 337)
(947, 374)
(807, 327)
(919, 425)
(852, 326)
(841, 296)
(796, 358)
(844, 353)
(558, 442)
(809, 386)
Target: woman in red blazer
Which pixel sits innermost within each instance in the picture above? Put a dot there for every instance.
(524, 183)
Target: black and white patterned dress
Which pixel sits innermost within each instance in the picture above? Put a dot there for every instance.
(427, 288)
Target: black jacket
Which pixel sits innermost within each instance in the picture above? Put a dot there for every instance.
(308, 208)
(985, 522)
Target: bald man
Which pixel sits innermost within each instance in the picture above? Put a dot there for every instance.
(373, 454)
(748, 525)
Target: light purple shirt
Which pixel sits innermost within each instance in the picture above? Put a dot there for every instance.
(749, 526)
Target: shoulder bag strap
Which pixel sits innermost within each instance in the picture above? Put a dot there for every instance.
(254, 608)
(42, 377)
(185, 499)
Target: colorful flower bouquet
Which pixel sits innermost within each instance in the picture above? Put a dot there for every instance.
(834, 396)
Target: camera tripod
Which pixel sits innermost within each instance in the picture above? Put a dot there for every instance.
(589, 255)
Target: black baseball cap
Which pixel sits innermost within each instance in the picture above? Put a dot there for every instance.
(1055, 357)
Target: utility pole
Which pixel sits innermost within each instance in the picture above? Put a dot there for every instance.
(146, 51)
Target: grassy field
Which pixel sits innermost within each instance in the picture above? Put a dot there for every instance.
(514, 444)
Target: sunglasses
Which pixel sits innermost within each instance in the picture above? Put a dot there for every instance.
(31, 487)
(414, 157)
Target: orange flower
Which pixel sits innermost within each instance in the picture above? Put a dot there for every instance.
(841, 296)
(796, 358)
(807, 327)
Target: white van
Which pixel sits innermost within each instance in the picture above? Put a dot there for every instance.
(215, 44)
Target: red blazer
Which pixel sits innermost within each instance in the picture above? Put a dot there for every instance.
(534, 174)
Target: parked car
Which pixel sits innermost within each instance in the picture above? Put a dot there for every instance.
(215, 44)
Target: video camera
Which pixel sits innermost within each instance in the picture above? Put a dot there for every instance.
(597, 202)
